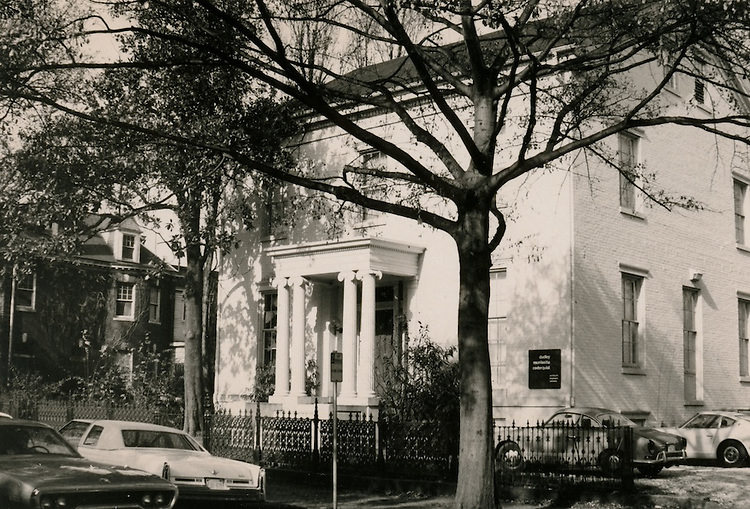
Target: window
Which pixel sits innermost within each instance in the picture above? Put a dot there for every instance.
(269, 328)
(128, 246)
(631, 290)
(93, 437)
(628, 161)
(370, 185)
(25, 298)
(498, 324)
(125, 301)
(672, 83)
(278, 217)
(740, 192)
(699, 87)
(744, 313)
(154, 305)
(690, 342)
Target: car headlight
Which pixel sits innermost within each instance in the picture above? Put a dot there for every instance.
(651, 446)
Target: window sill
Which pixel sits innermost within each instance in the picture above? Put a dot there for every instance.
(632, 213)
(743, 247)
(26, 309)
(697, 402)
(745, 379)
(633, 370)
(124, 319)
(154, 322)
(370, 223)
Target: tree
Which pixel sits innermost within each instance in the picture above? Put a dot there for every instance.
(141, 175)
(565, 67)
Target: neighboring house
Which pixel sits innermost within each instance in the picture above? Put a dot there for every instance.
(598, 298)
(119, 294)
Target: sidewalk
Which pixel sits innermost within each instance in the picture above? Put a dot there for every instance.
(289, 491)
(682, 487)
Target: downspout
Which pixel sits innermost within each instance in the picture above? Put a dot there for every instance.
(11, 320)
(571, 396)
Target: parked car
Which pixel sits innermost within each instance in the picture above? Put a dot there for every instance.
(717, 435)
(170, 453)
(589, 436)
(39, 469)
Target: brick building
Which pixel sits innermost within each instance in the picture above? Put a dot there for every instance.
(598, 296)
(119, 294)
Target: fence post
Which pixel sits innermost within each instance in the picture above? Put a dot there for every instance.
(258, 446)
(316, 445)
(627, 470)
(382, 427)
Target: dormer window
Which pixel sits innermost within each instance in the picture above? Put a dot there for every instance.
(128, 246)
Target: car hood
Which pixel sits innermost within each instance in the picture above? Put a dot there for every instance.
(191, 463)
(658, 435)
(69, 472)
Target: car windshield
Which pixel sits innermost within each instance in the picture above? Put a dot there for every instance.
(36, 440)
(701, 421)
(155, 438)
(614, 420)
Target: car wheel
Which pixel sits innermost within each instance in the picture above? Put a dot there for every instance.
(731, 454)
(508, 457)
(610, 461)
(650, 470)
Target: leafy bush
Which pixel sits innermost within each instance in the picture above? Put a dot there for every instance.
(265, 382)
(424, 383)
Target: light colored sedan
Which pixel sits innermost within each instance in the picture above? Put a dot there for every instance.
(717, 435)
(170, 453)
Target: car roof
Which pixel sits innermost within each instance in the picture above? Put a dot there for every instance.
(725, 413)
(23, 422)
(134, 425)
(591, 410)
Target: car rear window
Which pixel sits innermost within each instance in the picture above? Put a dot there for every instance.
(93, 437)
(156, 439)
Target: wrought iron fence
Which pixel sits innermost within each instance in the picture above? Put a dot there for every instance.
(562, 453)
(524, 455)
(387, 446)
(57, 413)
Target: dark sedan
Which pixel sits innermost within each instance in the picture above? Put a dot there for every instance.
(39, 469)
(589, 435)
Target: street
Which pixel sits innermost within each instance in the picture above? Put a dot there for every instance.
(681, 486)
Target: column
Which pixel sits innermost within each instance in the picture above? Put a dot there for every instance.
(367, 335)
(298, 367)
(349, 336)
(281, 389)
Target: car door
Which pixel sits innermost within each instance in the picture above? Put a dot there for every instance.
(561, 438)
(700, 433)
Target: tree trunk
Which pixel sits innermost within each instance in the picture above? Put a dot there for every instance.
(475, 488)
(193, 423)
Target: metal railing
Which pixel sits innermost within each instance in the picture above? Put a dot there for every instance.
(524, 455)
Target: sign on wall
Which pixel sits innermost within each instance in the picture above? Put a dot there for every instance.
(544, 369)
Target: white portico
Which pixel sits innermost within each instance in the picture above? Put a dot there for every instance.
(348, 275)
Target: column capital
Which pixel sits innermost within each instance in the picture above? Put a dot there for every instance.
(362, 273)
(347, 275)
(297, 281)
(280, 281)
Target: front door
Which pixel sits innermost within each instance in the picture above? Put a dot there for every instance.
(387, 338)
